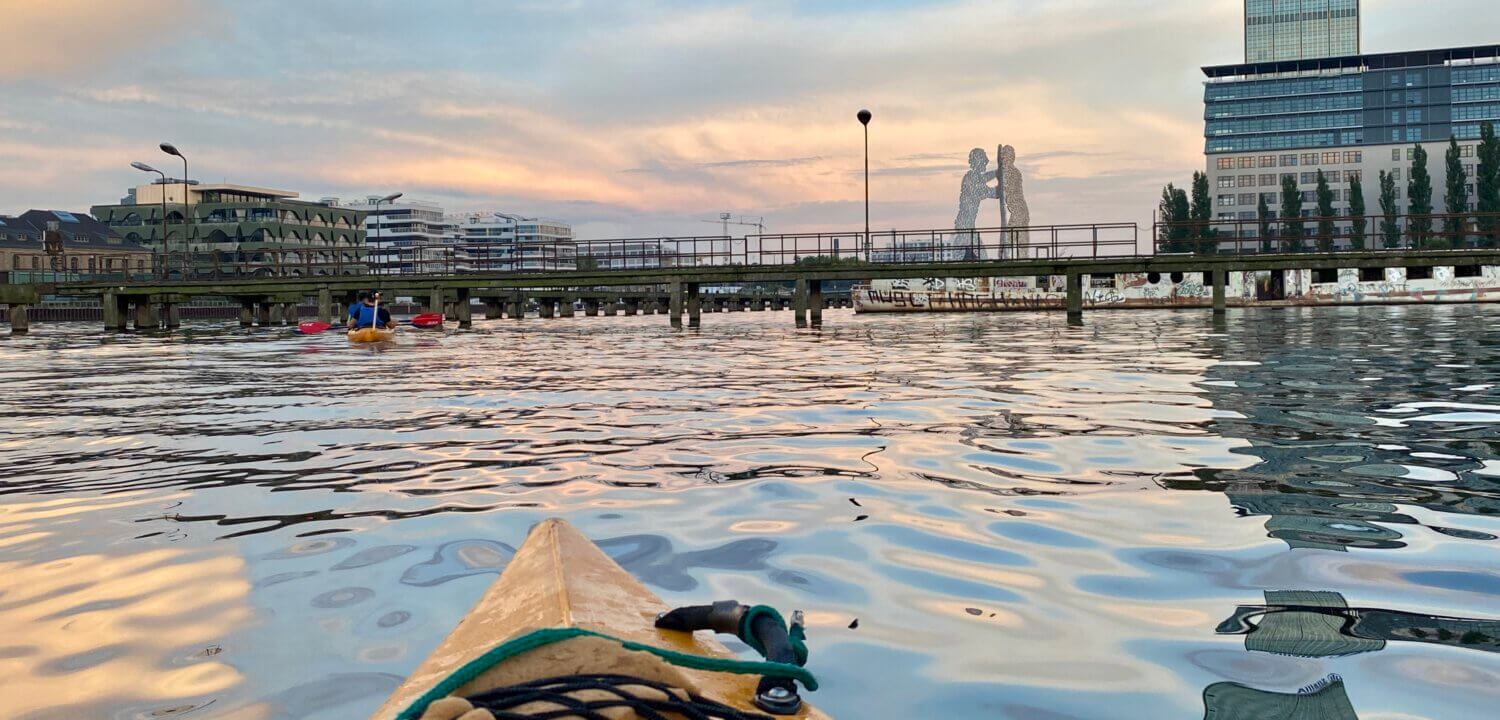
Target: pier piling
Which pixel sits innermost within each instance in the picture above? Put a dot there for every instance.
(325, 305)
(1075, 297)
(799, 302)
(19, 322)
(1220, 281)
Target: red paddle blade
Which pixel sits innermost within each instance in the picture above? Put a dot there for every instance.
(312, 328)
(427, 320)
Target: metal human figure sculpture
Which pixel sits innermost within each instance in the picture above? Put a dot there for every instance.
(974, 191)
(1013, 213)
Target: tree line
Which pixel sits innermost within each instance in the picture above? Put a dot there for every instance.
(1187, 215)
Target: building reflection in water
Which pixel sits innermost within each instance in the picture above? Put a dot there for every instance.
(1324, 700)
(1320, 624)
(1316, 624)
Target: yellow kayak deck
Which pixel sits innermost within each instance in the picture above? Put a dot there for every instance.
(370, 335)
(560, 579)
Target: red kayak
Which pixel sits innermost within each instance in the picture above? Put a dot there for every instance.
(312, 328)
(427, 321)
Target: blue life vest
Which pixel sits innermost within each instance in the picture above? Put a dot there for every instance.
(364, 316)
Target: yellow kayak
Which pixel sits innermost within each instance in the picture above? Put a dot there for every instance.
(563, 610)
(371, 335)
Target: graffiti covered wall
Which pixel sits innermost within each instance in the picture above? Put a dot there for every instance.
(1154, 290)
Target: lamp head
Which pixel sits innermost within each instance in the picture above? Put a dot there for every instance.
(143, 167)
(170, 149)
(864, 117)
(391, 198)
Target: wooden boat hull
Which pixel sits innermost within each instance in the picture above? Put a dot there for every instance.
(560, 579)
(371, 335)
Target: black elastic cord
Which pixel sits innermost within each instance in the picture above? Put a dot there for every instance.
(502, 702)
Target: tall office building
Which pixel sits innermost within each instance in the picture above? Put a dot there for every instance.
(1351, 116)
(1300, 29)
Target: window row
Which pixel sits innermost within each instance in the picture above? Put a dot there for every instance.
(1489, 111)
(1476, 94)
(1252, 143)
(1348, 157)
(1275, 88)
(1283, 106)
(1333, 177)
(1285, 123)
(1477, 74)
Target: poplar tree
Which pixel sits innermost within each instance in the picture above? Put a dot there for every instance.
(1172, 236)
(1202, 211)
(1325, 214)
(1357, 214)
(1419, 197)
(1291, 215)
(1390, 226)
(1487, 185)
(1456, 202)
(1263, 213)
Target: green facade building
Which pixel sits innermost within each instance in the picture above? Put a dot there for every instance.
(236, 230)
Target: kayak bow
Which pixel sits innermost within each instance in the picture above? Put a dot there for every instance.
(563, 609)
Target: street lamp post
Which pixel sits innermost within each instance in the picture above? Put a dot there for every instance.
(187, 203)
(165, 248)
(864, 119)
(378, 202)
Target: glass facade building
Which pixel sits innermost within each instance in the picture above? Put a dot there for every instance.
(1300, 29)
(1351, 116)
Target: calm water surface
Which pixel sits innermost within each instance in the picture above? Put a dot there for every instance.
(983, 516)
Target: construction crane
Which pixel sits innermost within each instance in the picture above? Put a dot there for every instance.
(727, 219)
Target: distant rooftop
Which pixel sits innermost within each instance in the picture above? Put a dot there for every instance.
(246, 190)
(1381, 61)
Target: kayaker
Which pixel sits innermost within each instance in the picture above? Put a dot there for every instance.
(363, 314)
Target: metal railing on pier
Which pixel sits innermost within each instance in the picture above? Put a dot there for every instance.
(1342, 233)
(844, 250)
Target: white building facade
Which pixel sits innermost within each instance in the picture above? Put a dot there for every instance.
(405, 237)
(503, 242)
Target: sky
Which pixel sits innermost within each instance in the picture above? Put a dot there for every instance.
(634, 119)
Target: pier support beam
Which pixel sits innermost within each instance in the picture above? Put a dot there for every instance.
(633, 306)
(276, 313)
(435, 302)
(19, 322)
(736, 304)
(325, 305)
(247, 313)
(145, 315)
(1220, 282)
(263, 313)
(799, 302)
(1075, 297)
(815, 302)
(463, 308)
(171, 315)
(565, 308)
(516, 309)
(545, 307)
(591, 307)
(676, 301)
(289, 313)
(109, 307)
(694, 306)
(493, 309)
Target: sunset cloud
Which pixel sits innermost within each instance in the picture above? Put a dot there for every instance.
(636, 118)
